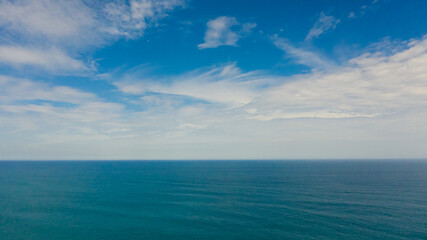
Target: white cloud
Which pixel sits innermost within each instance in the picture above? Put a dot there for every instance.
(130, 20)
(323, 24)
(82, 23)
(225, 85)
(56, 19)
(32, 107)
(130, 88)
(88, 112)
(15, 89)
(46, 33)
(372, 106)
(191, 125)
(49, 59)
(371, 85)
(303, 56)
(220, 32)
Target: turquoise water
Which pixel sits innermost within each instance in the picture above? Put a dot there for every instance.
(213, 200)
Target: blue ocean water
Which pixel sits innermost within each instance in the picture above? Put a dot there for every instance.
(213, 200)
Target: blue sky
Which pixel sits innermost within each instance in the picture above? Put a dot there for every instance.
(176, 79)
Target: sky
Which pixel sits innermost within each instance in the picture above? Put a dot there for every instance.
(193, 79)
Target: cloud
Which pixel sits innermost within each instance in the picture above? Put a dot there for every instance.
(220, 32)
(371, 106)
(56, 105)
(323, 24)
(34, 107)
(88, 112)
(375, 84)
(50, 59)
(43, 32)
(37, 117)
(224, 85)
(371, 85)
(81, 23)
(52, 19)
(15, 89)
(303, 56)
(130, 20)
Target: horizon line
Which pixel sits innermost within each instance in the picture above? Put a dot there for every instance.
(188, 160)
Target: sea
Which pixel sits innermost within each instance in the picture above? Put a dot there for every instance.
(262, 199)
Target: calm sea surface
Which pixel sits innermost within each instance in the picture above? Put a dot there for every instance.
(213, 200)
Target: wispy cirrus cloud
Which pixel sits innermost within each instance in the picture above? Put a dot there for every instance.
(323, 24)
(302, 56)
(49, 59)
(224, 85)
(80, 23)
(32, 105)
(371, 85)
(376, 99)
(47, 33)
(224, 31)
(17, 89)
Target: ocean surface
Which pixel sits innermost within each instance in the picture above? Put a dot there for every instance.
(213, 200)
